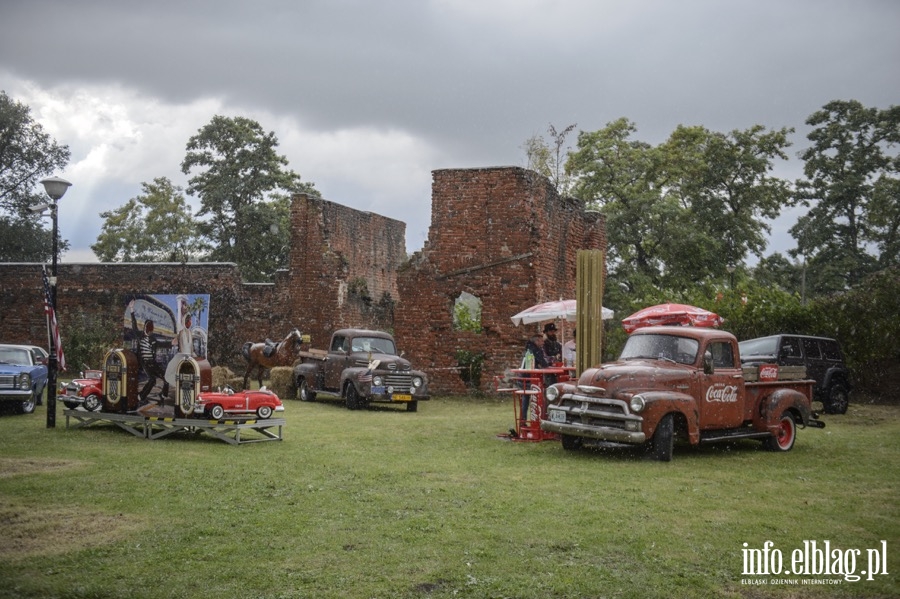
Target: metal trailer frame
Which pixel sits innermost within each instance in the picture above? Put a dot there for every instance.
(152, 427)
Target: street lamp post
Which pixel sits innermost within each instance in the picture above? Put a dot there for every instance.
(56, 189)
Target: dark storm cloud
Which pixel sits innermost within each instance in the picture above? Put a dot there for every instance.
(471, 78)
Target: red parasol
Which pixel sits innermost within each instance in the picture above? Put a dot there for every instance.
(671, 314)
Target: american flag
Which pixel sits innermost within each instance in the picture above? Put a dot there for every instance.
(366, 377)
(52, 324)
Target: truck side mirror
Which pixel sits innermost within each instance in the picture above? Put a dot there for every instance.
(708, 363)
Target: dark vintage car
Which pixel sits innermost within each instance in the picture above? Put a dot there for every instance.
(23, 376)
(360, 367)
(87, 391)
(217, 405)
(821, 356)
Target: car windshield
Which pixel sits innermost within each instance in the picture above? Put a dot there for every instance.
(14, 355)
(759, 347)
(375, 345)
(682, 350)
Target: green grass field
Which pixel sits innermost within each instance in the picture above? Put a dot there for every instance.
(384, 503)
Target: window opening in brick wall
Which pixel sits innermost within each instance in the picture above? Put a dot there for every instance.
(467, 313)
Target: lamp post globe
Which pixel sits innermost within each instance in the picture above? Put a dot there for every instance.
(55, 187)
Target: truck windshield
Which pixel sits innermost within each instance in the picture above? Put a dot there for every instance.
(375, 345)
(682, 350)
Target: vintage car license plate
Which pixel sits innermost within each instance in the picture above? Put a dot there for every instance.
(557, 416)
(401, 397)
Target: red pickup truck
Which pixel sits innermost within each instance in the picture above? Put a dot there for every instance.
(682, 382)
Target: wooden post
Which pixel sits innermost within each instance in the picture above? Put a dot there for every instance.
(589, 297)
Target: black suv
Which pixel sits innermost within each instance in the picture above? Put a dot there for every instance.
(822, 357)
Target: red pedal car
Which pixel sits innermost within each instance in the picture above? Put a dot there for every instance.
(263, 403)
(85, 391)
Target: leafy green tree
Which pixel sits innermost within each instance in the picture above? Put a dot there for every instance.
(724, 181)
(27, 155)
(155, 226)
(851, 189)
(238, 168)
(681, 213)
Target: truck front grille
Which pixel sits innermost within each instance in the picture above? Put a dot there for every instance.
(402, 383)
(610, 413)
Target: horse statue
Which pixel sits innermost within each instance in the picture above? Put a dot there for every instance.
(269, 354)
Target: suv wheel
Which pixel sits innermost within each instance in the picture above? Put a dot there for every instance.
(837, 400)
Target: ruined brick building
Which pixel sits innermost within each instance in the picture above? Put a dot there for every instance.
(501, 234)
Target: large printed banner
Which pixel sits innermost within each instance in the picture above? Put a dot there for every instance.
(158, 329)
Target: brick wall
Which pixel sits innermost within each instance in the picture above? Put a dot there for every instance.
(505, 236)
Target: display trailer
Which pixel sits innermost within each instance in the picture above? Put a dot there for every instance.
(233, 431)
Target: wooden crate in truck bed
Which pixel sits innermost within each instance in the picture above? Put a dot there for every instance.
(785, 373)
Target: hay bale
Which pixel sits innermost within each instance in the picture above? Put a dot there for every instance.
(221, 376)
(281, 382)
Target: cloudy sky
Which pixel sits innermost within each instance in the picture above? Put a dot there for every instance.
(368, 97)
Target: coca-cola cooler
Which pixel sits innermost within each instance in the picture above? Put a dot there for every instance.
(120, 381)
(193, 376)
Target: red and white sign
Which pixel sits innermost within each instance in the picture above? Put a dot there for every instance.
(768, 372)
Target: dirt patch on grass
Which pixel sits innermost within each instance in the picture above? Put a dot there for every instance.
(30, 531)
(37, 532)
(15, 466)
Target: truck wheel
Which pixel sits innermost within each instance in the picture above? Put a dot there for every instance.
(216, 412)
(264, 412)
(787, 434)
(412, 406)
(306, 394)
(838, 399)
(663, 439)
(571, 442)
(92, 402)
(352, 398)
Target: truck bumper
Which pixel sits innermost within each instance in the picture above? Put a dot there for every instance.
(602, 433)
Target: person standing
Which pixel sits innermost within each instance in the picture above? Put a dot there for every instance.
(552, 347)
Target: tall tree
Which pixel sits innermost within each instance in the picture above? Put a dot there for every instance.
(27, 154)
(683, 212)
(851, 189)
(724, 181)
(155, 226)
(238, 168)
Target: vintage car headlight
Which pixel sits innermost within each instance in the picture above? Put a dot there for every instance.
(24, 381)
(636, 403)
(417, 381)
(378, 381)
(552, 393)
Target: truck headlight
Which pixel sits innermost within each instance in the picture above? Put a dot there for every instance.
(417, 381)
(552, 393)
(378, 381)
(24, 381)
(636, 403)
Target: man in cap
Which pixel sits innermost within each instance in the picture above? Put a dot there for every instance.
(552, 347)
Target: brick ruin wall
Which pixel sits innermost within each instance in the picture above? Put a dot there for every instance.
(501, 234)
(505, 236)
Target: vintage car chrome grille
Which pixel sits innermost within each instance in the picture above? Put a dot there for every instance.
(7, 381)
(611, 413)
(402, 383)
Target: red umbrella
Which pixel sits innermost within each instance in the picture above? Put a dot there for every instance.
(671, 314)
